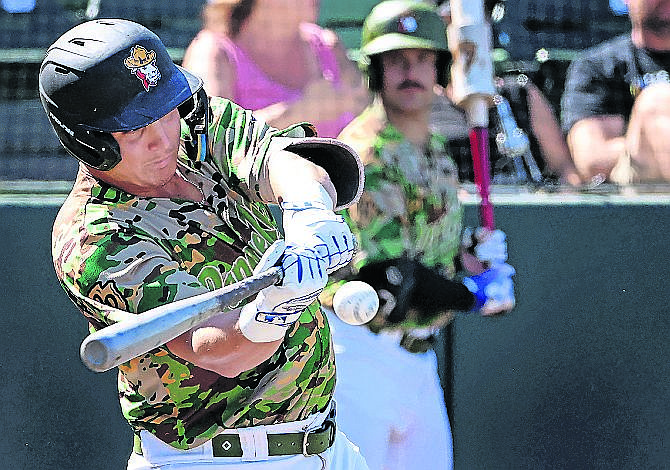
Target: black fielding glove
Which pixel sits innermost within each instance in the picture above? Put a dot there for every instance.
(412, 294)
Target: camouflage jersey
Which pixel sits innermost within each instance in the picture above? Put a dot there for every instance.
(410, 205)
(114, 249)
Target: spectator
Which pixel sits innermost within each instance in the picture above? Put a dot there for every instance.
(616, 102)
(270, 56)
(408, 224)
(526, 139)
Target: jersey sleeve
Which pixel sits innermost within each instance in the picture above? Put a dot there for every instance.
(131, 274)
(242, 143)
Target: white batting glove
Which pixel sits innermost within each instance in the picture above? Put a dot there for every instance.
(313, 224)
(490, 247)
(276, 308)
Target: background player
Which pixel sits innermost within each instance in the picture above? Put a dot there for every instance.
(408, 223)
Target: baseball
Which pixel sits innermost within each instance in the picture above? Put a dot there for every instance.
(356, 302)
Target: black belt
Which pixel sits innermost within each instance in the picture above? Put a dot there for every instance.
(305, 443)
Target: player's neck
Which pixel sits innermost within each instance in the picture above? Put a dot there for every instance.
(413, 125)
(176, 186)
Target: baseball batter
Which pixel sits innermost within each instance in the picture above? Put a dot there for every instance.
(171, 200)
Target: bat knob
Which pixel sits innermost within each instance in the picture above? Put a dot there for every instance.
(94, 355)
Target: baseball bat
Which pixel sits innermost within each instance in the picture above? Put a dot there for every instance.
(473, 88)
(125, 340)
(479, 145)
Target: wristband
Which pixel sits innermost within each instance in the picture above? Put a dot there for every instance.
(264, 327)
(314, 195)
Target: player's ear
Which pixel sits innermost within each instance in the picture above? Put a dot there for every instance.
(443, 66)
(375, 74)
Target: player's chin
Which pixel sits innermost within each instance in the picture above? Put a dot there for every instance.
(164, 164)
(162, 170)
(418, 100)
(158, 178)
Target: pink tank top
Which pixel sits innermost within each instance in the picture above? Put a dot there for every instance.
(255, 90)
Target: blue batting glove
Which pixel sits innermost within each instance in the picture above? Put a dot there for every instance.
(493, 290)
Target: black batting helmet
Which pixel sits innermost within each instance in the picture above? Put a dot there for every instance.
(111, 75)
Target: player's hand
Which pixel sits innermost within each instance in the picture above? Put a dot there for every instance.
(488, 247)
(493, 290)
(314, 225)
(277, 307)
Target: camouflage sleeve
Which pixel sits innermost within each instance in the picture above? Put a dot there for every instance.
(131, 273)
(241, 143)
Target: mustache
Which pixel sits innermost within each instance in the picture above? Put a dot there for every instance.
(657, 25)
(410, 84)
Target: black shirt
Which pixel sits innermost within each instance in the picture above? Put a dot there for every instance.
(605, 79)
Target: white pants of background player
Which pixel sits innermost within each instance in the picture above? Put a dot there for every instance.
(342, 455)
(390, 402)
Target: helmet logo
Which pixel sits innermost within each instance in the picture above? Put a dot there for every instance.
(407, 24)
(142, 64)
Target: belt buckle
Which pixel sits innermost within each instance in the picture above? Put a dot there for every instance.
(305, 435)
(328, 425)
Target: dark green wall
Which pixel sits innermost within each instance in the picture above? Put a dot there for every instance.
(346, 18)
(56, 414)
(576, 377)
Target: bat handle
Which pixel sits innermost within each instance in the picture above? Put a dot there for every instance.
(479, 141)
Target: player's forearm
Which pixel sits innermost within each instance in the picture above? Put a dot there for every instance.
(219, 346)
(553, 146)
(293, 178)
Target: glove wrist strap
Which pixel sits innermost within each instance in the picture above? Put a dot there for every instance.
(259, 327)
(480, 297)
(314, 195)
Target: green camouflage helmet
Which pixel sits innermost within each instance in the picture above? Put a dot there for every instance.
(402, 24)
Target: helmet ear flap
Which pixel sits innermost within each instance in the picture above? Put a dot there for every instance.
(443, 64)
(195, 110)
(99, 150)
(96, 149)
